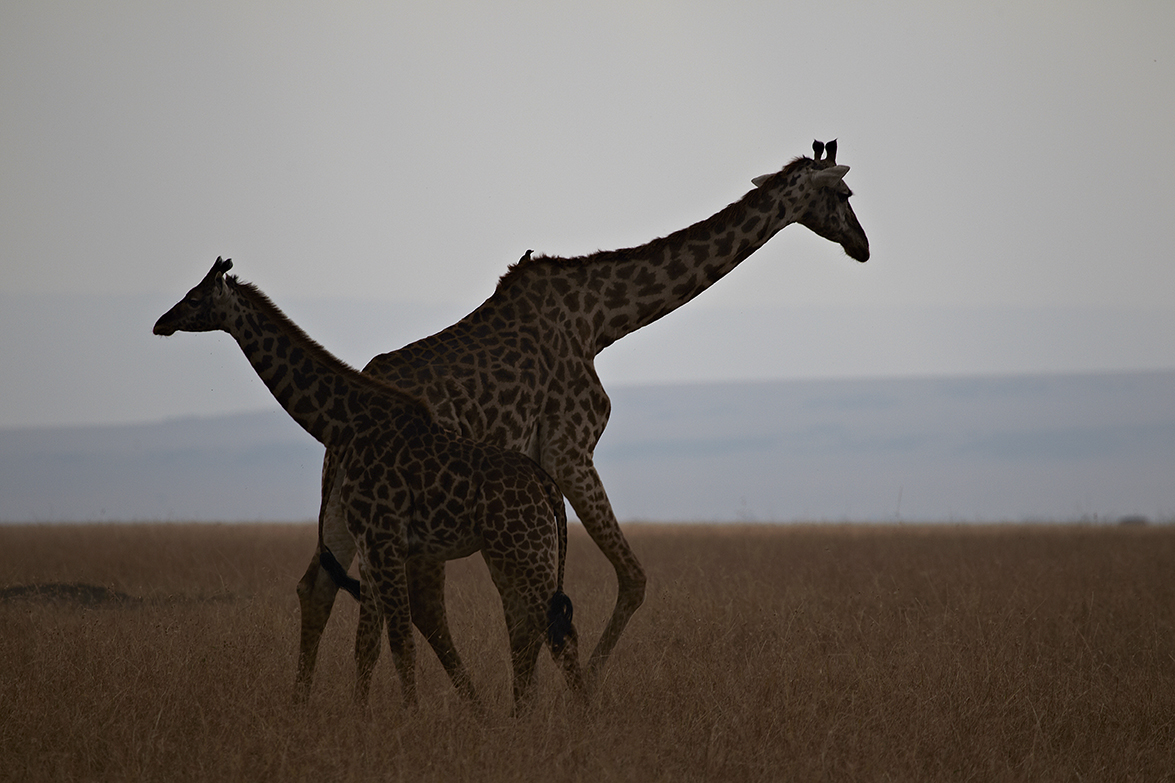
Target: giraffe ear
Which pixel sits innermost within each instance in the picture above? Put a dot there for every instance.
(830, 176)
(759, 180)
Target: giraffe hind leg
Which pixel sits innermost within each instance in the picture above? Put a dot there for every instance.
(526, 613)
(367, 641)
(581, 483)
(385, 579)
(526, 639)
(426, 593)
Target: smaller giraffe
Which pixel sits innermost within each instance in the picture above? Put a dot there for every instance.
(414, 495)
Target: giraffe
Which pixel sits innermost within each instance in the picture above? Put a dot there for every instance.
(413, 493)
(519, 370)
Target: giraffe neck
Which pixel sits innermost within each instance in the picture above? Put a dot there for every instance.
(613, 293)
(325, 396)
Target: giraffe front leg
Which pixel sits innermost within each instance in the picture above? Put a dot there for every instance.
(581, 484)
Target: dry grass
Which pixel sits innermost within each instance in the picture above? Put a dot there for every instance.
(762, 653)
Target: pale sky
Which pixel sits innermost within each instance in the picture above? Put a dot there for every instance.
(1013, 167)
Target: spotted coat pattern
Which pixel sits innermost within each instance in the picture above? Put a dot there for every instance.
(519, 370)
(413, 494)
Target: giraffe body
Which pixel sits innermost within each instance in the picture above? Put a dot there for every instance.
(412, 493)
(519, 371)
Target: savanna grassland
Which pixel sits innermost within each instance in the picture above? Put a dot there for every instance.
(167, 652)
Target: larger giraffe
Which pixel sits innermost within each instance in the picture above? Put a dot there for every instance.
(413, 493)
(520, 369)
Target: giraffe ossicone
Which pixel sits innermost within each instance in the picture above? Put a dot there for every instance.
(412, 494)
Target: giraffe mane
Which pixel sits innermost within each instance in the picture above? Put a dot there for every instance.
(307, 343)
(521, 267)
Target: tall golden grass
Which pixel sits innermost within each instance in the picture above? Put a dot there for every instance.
(167, 652)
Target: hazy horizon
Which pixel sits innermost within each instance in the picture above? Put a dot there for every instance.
(1013, 448)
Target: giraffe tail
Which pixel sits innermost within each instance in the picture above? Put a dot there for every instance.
(559, 627)
(335, 570)
(559, 609)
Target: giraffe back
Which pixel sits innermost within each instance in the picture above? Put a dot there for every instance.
(509, 374)
(442, 496)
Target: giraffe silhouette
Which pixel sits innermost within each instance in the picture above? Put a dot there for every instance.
(519, 370)
(413, 494)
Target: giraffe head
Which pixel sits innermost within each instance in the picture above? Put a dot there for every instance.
(193, 313)
(815, 188)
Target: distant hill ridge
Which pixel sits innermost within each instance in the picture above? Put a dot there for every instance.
(987, 448)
